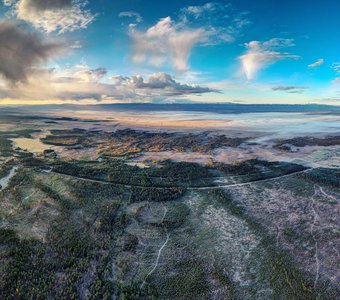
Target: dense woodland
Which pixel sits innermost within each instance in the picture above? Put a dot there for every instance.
(88, 227)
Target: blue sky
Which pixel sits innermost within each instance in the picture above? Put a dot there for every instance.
(160, 51)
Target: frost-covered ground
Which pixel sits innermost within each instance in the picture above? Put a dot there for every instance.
(302, 217)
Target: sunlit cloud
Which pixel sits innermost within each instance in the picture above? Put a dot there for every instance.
(166, 42)
(170, 41)
(91, 75)
(82, 83)
(52, 15)
(260, 55)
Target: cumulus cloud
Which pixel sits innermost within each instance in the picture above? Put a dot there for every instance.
(82, 83)
(261, 54)
(166, 42)
(21, 51)
(170, 41)
(52, 15)
(318, 63)
(160, 84)
(290, 89)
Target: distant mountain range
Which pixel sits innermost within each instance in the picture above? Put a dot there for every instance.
(222, 108)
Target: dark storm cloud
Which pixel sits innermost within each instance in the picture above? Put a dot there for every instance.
(21, 50)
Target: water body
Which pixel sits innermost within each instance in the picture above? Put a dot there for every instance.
(278, 121)
(5, 180)
(277, 124)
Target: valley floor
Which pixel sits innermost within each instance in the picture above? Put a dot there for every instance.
(94, 214)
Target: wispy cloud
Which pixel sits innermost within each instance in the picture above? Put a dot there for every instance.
(220, 20)
(336, 80)
(262, 54)
(317, 63)
(52, 15)
(131, 14)
(336, 67)
(76, 45)
(199, 10)
(290, 89)
(9, 2)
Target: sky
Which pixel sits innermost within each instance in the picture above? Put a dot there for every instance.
(123, 51)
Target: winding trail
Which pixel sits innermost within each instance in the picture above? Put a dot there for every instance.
(159, 251)
(315, 219)
(248, 182)
(327, 195)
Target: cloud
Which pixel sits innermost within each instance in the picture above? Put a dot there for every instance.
(131, 14)
(318, 63)
(329, 99)
(336, 80)
(21, 51)
(164, 42)
(53, 86)
(290, 89)
(160, 84)
(170, 41)
(9, 2)
(53, 15)
(336, 67)
(76, 45)
(90, 75)
(198, 11)
(82, 83)
(221, 21)
(262, 54)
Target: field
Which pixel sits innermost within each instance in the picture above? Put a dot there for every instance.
(100, 216)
